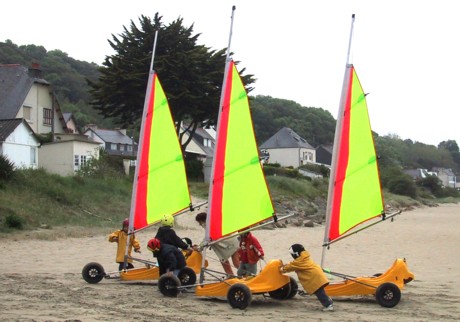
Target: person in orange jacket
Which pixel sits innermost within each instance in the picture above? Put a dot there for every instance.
(250, 252)
(310, 275)
(120, 237)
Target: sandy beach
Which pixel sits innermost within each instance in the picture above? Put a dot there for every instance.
(41, 280)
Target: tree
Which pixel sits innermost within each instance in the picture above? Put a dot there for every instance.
(191, 74)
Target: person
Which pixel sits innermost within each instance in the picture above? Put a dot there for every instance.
(167, 235)
(250, 252)
(120, 237)
(310, 275)
(170, 259)
(224, 249)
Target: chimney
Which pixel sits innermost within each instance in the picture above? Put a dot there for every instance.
(35, 70)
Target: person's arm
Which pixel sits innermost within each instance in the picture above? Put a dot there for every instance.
(113, 237)
(258, 248)
(179, 242)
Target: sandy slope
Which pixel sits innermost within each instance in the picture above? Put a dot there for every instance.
(41, 280)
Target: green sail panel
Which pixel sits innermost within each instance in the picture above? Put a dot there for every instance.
(357, 191)
(161, 178)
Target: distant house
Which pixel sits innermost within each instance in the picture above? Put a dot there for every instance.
(419, 173)
(288, 149)
(114, 142)
(446, 176)
(324, 154)
(19, 143)
(25, 94)
(68, 153)
(202, 146)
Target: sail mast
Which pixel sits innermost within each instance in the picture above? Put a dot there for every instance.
(337, 140)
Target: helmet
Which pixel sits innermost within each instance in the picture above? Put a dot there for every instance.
(295, 250)
(126, 222)
(167, 220)
(154, 245)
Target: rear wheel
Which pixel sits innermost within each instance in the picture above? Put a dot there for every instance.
(187, 276)
(388, 294)
(93, 273)
(169, 285)
(285, 292)
(239, 296)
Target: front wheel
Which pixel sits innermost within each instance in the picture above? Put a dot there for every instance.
(169, 285)
(187, 276)
(93, 273)
(239, 296)
(388, 294)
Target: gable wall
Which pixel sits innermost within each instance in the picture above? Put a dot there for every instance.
(19, 146)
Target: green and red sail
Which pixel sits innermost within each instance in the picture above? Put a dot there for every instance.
(355, 193)
(239, 196)
(160, 186)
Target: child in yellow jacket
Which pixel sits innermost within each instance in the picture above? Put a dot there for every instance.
(120, 237)
(310, 275)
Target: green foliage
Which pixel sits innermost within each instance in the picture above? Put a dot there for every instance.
(194, 169)
(191, 74)
(316, 168)
(107, 166)
(315, 125)
(403, 185)
(6, 168)
(286, 172)
(433, 184)
(14, 221)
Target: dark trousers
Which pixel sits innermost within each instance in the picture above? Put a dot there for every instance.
(322, 297)
(128, 266)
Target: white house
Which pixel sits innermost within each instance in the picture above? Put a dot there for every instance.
(288, 149)
(18, 143)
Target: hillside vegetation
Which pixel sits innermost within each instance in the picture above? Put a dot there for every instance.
(36, 204)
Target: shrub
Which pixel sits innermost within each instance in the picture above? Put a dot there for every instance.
(14, 221)
(403, 185)
(6, 168)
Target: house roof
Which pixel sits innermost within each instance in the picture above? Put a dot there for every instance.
(8, 126)
(285, 138)
(15, 84)
(112, 136)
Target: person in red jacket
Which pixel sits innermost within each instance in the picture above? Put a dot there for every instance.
(250, 252)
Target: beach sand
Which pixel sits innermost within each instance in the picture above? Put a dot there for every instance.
(41, 280)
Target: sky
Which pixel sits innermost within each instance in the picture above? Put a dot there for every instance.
(406, 52)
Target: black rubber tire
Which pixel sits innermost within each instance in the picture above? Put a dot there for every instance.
(388, 294)
(169, 285)
(93, 273)
(283, 292)
(187, 276)
(294, 288)
(239, 296)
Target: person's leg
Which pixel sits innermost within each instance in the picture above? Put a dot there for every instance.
(227, 267)
(242, 270)
(322, 297)
(120, 266)
(252, 269)
(236, 259)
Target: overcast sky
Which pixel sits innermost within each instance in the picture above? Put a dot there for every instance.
(406, 52)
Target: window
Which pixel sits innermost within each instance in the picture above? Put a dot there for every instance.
(47, 116)
(33, 158)
(130, 148)
(80, 160)
(207, 142)
(26, 112)
(113, 146)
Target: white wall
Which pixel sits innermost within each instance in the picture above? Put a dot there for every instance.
(18, 147)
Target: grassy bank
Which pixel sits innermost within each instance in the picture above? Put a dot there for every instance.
(80, 206)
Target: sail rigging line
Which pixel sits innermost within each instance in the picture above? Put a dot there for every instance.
(384, 217)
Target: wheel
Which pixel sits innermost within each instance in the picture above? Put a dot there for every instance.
(93, 273)
(187, 276)
(388, 294)
(286, 291)
(169, 285)
(294, 288)
(239, 296)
